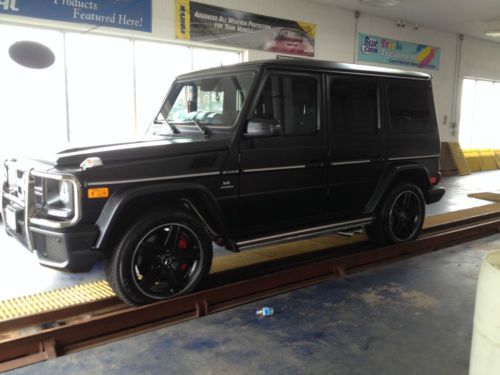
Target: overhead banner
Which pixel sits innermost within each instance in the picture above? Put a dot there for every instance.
(395, 52)
(212, 24)
(124, 14)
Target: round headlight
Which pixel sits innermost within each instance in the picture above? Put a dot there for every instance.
(65, 192)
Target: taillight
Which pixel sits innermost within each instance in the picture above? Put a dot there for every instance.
(434, 180)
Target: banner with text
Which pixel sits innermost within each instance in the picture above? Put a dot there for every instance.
(212, 24)
(394, 52)
(125, 14)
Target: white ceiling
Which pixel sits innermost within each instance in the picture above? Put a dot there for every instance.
(468, 17)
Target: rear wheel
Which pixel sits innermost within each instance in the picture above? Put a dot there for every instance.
(400, 217)
(165, 254)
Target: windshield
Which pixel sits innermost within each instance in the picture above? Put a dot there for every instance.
(211, 102)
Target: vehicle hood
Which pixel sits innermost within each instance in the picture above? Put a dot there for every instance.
(137, 150)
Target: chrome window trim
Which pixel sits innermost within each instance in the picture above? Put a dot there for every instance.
(288, 167)
(347, 162)
(151, 179)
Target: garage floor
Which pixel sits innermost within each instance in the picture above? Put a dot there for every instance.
(410, 317)
(18, 268)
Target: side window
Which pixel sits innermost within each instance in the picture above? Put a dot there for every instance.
(409, 108)
(292, 101)
(353, 103)
(300, 103)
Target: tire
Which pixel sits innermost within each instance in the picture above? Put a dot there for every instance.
(162, 255)
(400, 216)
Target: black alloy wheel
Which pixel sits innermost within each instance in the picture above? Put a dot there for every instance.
(405, 215)
(163, 255)
(400, 216)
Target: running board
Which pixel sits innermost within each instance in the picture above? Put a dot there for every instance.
(303, 233)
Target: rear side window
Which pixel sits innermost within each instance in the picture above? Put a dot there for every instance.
(354, 105)
(409, 108)
(292, 101)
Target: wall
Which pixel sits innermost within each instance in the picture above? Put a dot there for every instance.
(442, 79)
(336, 40)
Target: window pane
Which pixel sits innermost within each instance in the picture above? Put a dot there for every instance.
(33, 114)
(100, 87)
(353, 106)
(480, 114)
(266, 108)
(213, 101)
(300, 105)
(409, 108)
(156, 64)
(290, 101)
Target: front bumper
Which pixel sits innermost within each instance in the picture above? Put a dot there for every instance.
(64, 247)
(68, 250)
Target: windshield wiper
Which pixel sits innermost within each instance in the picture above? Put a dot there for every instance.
(174, 129)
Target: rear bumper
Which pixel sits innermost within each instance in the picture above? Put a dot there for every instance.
(434, 194)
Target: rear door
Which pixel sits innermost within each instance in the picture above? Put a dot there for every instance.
(283, 177)
(357, 154)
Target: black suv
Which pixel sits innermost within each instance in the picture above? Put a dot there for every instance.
(240, 155)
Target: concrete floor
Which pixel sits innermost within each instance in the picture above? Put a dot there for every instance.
(20, 273)
(412, 317)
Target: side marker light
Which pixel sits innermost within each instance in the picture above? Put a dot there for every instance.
(96, 193)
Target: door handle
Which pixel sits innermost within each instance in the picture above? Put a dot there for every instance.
(377, 159)
(314, 164)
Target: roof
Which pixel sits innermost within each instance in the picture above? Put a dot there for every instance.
(313, 65)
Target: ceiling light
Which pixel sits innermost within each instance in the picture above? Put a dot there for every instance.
(493, 33)
(32, 55)
(380, 3)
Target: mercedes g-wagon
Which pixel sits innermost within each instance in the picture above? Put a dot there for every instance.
(239, 156)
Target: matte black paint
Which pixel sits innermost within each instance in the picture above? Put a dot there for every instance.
(238, 203)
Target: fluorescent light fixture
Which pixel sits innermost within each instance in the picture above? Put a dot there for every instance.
(381, 3)
(493, 33)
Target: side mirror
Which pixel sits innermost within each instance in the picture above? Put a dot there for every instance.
(263, 128)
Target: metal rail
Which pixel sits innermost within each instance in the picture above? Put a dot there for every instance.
(96, 330)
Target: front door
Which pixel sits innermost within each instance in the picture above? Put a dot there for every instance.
(283, 180)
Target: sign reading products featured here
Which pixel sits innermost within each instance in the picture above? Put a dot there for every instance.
(125, 14)
(394, 52)
(212, 24)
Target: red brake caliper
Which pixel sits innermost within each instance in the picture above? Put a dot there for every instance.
(183, 245)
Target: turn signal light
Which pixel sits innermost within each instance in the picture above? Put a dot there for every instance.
(96, 193)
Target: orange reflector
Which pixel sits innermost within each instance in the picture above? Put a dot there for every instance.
(98, 193)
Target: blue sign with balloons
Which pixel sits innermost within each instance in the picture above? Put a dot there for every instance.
(380, 50)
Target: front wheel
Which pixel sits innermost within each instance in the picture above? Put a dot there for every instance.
(400, 217)
(165, 254)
